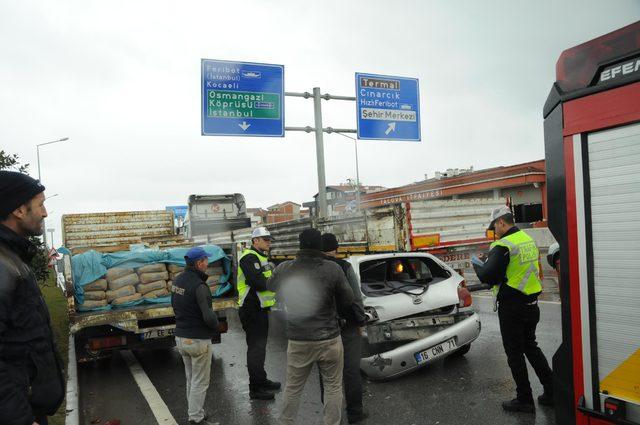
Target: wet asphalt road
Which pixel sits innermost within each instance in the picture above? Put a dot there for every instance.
(465, 390)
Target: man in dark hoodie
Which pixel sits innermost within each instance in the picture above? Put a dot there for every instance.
(31, 377)
(196, 324)
(311, 289)
(351, 334)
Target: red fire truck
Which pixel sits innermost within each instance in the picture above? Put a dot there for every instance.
(592, 145)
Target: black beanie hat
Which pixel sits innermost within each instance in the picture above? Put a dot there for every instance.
(16, 189)
(329, 242)
(310, 239)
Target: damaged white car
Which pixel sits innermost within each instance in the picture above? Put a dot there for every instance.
(418, 309)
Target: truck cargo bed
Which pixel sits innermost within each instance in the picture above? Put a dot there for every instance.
(129, 318)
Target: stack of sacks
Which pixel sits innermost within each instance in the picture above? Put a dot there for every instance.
(95, 294)
(153, 281)
(174, 271)
(215, 272)
(121, 286)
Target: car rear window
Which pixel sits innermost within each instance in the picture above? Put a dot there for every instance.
(399, 274)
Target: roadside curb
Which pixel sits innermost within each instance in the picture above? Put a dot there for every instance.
(73, 418)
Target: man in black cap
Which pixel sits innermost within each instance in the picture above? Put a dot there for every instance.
(31, 377)
(312, 288)
(351, 333)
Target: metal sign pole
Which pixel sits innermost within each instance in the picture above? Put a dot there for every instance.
(319, 130)
(355, 143)
(322, 185)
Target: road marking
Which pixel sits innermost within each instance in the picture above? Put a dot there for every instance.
(157, 405)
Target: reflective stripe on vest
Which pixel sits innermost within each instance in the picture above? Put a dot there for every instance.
(267, 298)
(523, 270)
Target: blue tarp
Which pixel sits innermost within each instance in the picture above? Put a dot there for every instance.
(92, 265)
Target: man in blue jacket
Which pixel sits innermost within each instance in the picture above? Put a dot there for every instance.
(196, 324)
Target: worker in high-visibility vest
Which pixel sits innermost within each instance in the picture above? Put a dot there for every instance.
(512, 269)
(255, 301)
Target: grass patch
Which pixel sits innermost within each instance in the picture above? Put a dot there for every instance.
(57, 304)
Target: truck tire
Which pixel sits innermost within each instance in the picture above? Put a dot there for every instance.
(104, 362)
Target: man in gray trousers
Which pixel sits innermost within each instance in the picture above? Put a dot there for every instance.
(312, 288)
(196, 324)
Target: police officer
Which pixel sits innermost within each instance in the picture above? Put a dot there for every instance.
(512, 270)
(255, 301)
(31, 379)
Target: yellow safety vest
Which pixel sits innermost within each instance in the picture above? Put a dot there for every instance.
(267, 298)
(523, 270)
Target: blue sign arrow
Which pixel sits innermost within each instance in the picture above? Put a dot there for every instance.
(242, 99)
(388, 107)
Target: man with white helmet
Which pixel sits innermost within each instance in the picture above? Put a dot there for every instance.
(255, 301)
(513, 271)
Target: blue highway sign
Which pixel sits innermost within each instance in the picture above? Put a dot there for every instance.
(242, 99)
(388, 107)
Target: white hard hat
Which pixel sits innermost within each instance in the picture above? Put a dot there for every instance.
(261, 232)
(552, 255)
(497, 213)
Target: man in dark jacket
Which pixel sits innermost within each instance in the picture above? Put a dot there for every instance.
(31, 377)
(196, 324)
(351, 333)
(311, 289)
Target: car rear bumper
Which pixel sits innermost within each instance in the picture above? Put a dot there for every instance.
(401, 360)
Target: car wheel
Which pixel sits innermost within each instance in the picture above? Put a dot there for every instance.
(462, 351)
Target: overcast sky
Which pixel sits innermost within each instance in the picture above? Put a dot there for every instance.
(121, 79)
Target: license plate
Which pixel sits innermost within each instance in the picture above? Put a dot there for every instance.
(157, 333)
(435, 351)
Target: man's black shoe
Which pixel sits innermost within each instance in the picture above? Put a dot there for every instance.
(546, 399)
(270, 385)
(354, 419)
(260, 395)
(516, 405)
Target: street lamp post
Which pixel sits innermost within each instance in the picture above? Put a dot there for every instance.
(51, 239)
(355, 141)
(64, 139)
